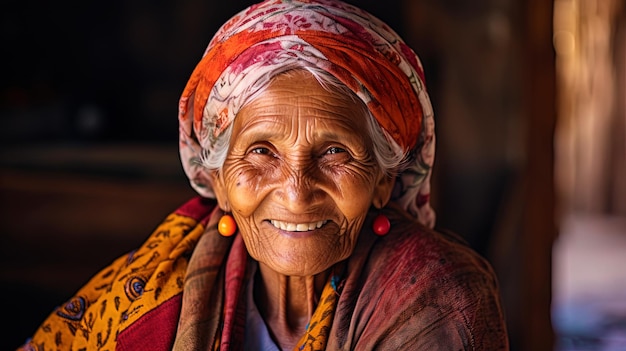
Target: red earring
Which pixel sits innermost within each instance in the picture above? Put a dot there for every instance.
(381, 225)
(227, 225)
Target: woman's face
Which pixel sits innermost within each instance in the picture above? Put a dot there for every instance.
(300, 176)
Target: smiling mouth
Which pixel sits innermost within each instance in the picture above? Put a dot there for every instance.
(297, 227)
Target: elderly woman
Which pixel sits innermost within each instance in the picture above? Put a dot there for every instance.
(308, 133)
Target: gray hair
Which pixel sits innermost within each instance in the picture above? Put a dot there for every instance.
(387, 153)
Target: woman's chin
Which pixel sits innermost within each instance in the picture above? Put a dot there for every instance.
(296, 267)
(301, 253)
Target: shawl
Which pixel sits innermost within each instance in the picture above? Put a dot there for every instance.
(350, 44)
(414, 289)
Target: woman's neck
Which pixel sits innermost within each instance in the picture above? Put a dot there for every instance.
(287, 303)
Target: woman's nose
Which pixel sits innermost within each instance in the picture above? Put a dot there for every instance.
(300, 190)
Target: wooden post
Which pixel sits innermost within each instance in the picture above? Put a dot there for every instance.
(538, 228)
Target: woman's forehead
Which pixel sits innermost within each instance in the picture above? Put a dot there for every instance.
(312, 128)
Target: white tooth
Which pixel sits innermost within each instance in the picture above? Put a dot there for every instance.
(300, 227)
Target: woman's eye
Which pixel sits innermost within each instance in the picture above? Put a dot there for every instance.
(335, 150)
(261, 151)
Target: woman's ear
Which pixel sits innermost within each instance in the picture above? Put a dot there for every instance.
(383, 189)
(221, 194)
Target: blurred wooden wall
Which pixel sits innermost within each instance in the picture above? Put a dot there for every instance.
(590, 39)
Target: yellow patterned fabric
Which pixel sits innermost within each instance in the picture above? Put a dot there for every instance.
(120, 294)
(318, 330)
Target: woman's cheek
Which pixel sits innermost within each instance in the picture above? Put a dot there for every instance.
(246, 187)
(356, 189)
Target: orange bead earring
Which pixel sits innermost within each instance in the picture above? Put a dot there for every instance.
(227, 225)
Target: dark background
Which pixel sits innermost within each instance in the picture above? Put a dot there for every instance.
(107, 71)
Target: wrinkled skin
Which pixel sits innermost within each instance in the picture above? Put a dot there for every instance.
(299, 155)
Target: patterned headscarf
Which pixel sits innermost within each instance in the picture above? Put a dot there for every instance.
(352, 45)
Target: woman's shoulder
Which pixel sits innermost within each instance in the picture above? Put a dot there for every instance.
(420, 263)
(198, 208)
(427, 250)
(424, 288)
